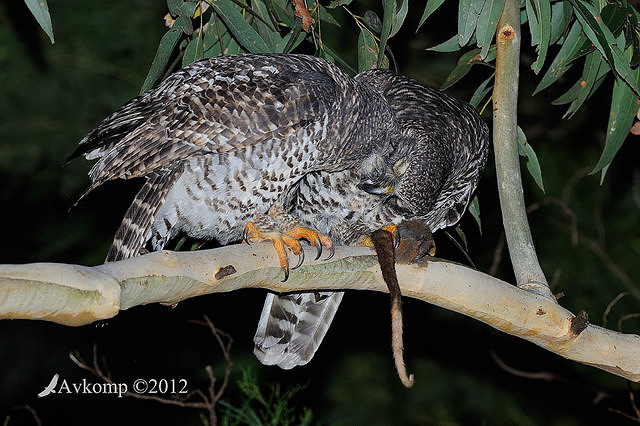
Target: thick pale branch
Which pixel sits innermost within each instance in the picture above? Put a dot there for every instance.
(527, 270)
(76, 295)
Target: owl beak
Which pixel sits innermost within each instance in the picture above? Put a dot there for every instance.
(381, 188)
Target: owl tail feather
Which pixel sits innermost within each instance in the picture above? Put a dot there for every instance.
(133, 233)
(292, 327)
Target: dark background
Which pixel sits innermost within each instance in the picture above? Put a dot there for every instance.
(51, 95)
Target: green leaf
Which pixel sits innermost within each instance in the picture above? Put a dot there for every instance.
(560, 20)
(174, 7)
(343, 64)
(474, 209)
(293, 38)
(534, 26)
(239, 27)
(450, 45)
(165, 48)
(325, 16)
(533, 165)
(193, 52)
(593, 73)
(431, 7)
(487, 23)
(40, 10)
(387, 23)
(283, 12)
(483, 90)
(367, 51)
(624, 106)
(575, 45)
(468, 13)
(336, 3)
(371, 20)
(605, 42)
(614, 17)
(539, 13)
(399, 17)
(465, 63)
(271, 38)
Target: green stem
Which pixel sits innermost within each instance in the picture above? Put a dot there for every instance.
(525, 263)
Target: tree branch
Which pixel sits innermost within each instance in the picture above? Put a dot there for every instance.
(527, 270)
(76, 295)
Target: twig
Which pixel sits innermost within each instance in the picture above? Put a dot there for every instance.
(610, 306)
(207, 402)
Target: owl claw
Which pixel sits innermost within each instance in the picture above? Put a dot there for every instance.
(318, 248)
(332, 251)
(300, 260)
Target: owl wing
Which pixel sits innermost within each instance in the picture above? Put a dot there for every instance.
(214, 105)
(292, 327)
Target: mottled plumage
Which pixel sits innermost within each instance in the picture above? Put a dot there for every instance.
(284, 140)
(230, 136)
(435, 166)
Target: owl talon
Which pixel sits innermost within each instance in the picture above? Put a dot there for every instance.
(318, 248)
(300, 260)
(332, 251)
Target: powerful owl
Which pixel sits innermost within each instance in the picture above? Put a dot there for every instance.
(424, 183)
(286, 148)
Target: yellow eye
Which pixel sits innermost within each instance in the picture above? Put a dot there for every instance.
(400, 167)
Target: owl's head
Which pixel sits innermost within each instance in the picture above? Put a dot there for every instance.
(440, 147)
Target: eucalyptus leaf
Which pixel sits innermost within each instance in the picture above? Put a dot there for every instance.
(450, 45)
(465, 63)
(430, 7)
(293, 38)
(336, 3)
(372, 20)
(468, 13)
(343, 64)
(487, 23)
(325, 16)
(533, 165)
(560, 20)
(239, 27)
(474, 209)
(614, 17)
(193, 52)
(481, 92)
(387, 22)
(605, 42)
(540, 11)
(575, 45)
(40, 10)
(624, 107)
(367, 51)
(595, 69)
(165, 48)
(399, 17)
(271, 37)
(283, 12)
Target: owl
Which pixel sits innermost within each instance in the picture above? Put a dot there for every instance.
(286, 148)
(222, 142)
(426, 180)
